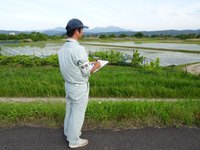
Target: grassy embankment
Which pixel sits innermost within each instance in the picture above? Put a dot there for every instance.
(104, 114)
(110, 81)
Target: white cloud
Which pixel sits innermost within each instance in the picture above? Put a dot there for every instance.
(197, 13)
(173, 14)
(128, 14)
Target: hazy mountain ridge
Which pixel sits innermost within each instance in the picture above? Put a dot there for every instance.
(104, 30)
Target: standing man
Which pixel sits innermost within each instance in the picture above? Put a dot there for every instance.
(75, 68)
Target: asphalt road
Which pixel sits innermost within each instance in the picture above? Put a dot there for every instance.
(39, 138)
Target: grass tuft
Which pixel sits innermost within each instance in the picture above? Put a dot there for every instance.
(110, 81)
(105, 114)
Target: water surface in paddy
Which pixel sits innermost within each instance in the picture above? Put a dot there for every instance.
(192, 47)
(167, 57)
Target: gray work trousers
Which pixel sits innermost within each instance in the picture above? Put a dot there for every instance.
(76, 103)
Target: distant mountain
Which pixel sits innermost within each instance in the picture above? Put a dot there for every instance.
(104, 30)
(94, 30)
(9, 31)
(62, 29)
(172, 32)
(55, 31)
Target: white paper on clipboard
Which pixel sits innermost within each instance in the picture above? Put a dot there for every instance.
(103, 63)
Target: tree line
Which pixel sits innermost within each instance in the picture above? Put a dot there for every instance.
(141, 35)
(34, 36)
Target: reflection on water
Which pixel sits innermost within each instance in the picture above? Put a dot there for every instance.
(36, 49)
(39, 45)
(192, 47)
(167, 57)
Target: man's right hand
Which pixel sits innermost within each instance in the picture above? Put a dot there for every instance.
(97, 65)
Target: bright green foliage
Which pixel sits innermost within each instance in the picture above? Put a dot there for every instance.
(38, 37)
(102, 36)
(35, 36)
(3, 37)
(107, 36)
(29, 60)
(167, 113)
(138, 113)
(23, 36)
(187, 36)
(111, 56)
(54, 37)
(109, 81)
(91, 59)
(154, 35)
(153, 66)
(32, 112)
(123, 35)
(0, 51)
(112, 35)
(139, 35)
(137, 59)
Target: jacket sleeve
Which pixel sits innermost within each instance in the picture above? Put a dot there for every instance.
(83, 63)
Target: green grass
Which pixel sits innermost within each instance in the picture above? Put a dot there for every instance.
(110, 81)
(104, 114)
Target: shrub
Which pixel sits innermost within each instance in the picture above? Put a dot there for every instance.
(153, 67)
(102, 36)
(139, 35)
(137, 59)
(111, 56)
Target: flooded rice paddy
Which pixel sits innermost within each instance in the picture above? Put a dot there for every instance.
(167, 57)
(175, 46)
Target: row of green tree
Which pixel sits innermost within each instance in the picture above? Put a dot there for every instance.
(141, 35)
(34, 36)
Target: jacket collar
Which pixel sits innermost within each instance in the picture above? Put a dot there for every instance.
(72, 40)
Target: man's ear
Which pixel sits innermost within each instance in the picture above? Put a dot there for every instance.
(75, 32)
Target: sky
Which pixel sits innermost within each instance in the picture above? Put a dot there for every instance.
(136, 15)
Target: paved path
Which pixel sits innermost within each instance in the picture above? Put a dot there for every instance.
(39, 138)
(194, 69)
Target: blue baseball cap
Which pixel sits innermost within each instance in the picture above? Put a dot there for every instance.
(74, 24)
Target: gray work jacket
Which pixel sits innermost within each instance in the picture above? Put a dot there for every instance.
(73, 61)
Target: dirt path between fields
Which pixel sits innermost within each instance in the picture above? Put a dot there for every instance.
(46, 99)
(194, 69)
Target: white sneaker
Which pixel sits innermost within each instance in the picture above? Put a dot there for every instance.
(82, 143)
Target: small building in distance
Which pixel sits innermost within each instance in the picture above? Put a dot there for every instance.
(12, 33)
